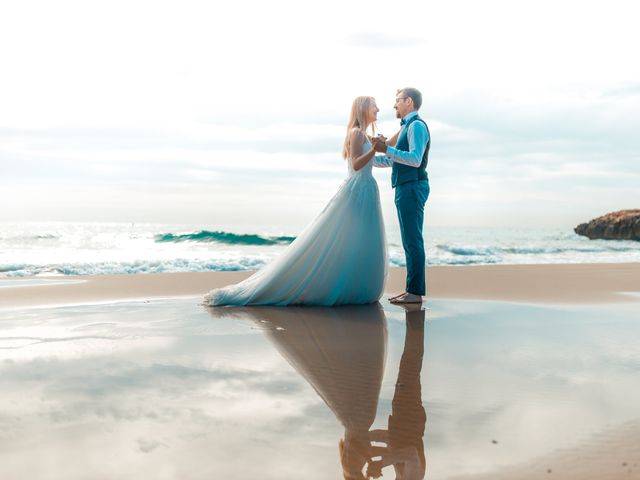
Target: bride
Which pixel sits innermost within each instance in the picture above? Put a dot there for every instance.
(338, 259)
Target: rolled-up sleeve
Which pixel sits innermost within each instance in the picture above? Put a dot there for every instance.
(418, 138)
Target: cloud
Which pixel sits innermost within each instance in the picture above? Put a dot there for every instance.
(149, 445)
(625, 91)
(211, 107)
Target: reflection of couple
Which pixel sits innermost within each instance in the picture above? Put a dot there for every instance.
(340, 258)
(341, 353)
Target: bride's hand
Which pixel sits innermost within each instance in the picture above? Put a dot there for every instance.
(379, 145)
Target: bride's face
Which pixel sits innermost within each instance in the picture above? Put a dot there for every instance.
(372, 113)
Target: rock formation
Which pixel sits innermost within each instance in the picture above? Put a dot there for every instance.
(622, 225)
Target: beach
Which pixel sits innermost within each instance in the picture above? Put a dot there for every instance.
(576, 283)
(522, 371)
(152, 152)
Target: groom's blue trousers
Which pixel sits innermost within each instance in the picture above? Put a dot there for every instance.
(410, 200)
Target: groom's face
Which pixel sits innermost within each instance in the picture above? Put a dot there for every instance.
(402, 105)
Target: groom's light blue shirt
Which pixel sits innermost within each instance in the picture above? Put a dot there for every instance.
(418, 138)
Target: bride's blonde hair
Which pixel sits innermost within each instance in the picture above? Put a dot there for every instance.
(358, 119)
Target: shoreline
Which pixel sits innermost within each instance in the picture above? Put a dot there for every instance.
(546, 283)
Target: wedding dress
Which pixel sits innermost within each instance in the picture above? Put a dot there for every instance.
(339, 259)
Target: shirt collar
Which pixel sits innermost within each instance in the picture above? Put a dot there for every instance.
(409, 116)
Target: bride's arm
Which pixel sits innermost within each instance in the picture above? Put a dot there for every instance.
(356, 142)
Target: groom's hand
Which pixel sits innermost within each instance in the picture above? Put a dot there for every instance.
(379, 145)
(381, 137)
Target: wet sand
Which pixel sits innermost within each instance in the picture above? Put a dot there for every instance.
(525, 372)
(613, 453)
(581, 283)
(465, 389)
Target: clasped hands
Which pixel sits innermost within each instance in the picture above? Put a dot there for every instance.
(380, 143)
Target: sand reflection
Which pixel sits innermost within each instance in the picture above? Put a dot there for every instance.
(341, 353)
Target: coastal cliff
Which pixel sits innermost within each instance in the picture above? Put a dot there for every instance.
(621, 225)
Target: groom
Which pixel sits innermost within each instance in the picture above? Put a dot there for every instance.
(407, 154)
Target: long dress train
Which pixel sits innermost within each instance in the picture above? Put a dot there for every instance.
(339, 259)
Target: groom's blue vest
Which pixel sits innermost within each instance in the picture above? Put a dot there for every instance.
(404, 173)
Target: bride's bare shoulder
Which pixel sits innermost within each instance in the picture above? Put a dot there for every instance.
(357, 136)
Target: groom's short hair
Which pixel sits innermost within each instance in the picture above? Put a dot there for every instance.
(414, 94)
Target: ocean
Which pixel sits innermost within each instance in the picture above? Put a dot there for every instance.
(55, 248)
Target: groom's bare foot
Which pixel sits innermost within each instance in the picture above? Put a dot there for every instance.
(407, 298)
(396, 296)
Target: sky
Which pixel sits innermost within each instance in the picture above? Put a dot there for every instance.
(232, 114)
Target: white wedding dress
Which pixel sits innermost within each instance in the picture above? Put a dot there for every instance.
(339, 259)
